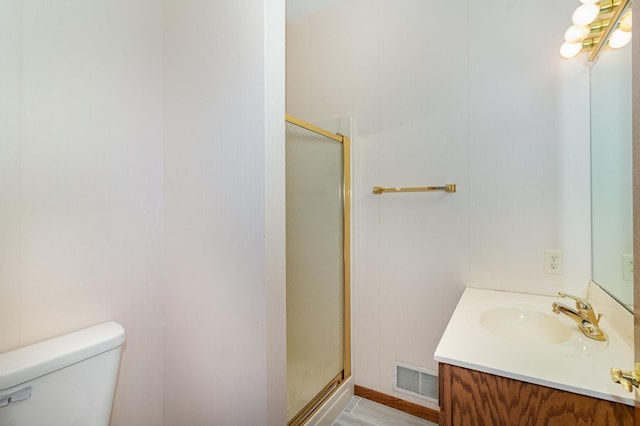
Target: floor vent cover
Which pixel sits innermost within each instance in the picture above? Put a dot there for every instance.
(416, 381)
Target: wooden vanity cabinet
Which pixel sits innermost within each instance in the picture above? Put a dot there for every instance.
(470, 397)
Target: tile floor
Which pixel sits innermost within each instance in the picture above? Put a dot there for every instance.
(362, 412)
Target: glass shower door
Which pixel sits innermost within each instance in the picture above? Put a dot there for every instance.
(315, 268)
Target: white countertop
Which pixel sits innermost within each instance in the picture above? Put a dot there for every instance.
(579, 364)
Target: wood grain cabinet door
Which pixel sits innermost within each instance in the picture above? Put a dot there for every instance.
(473, 398)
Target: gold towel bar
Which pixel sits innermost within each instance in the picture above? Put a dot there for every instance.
(450, 187)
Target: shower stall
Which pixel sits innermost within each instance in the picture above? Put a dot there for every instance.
(318, 266)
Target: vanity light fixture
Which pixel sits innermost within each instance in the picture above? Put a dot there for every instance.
(619, 39)
(625, 22)
(585, 14)
(597, 24)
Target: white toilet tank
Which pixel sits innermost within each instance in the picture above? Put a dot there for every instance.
(65, 381)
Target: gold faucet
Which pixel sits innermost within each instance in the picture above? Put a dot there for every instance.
(583, 315)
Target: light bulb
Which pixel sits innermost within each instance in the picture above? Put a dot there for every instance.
(619, 38)
(625, 22)
(585, 14)
(569, 50)
(576, 33)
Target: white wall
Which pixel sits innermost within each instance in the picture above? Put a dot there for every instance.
(81, 173)
(503, 120)
(142, 170)
(224, 257)
(529, 149)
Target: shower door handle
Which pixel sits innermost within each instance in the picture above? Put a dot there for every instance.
(19, 395)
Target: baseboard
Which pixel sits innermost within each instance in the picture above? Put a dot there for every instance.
(398, 404)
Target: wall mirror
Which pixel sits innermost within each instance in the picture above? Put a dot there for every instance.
(611, 174)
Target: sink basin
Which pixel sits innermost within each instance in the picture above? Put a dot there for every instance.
(524, 325)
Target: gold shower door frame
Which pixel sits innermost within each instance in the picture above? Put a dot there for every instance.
(334, 384)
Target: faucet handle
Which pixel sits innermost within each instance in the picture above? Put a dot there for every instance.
(580, 303)
(627, 379)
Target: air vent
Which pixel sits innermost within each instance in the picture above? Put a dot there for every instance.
(416, 381)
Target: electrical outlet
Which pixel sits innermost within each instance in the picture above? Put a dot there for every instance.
(553, 262)
(627, 267)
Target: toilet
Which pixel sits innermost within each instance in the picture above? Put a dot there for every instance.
(69, 380)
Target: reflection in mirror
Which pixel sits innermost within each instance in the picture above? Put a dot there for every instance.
(611, 174)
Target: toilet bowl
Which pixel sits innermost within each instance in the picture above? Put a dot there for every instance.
(69, 380)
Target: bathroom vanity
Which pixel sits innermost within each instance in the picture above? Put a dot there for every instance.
(506, 358)
(471, 397)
